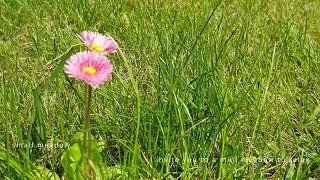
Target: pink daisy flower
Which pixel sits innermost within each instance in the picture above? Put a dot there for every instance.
(90, 67)
(98, 42)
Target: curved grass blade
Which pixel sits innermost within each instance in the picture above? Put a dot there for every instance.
(59, 67)
(15, 166)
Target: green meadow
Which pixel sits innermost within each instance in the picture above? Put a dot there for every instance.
(201, 89)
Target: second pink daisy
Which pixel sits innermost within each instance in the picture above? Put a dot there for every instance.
(98, 42)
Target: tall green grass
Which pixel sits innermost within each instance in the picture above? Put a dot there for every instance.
(200, 88)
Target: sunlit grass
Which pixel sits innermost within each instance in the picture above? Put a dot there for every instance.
(240, 81)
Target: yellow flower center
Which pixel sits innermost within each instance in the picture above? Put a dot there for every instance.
(90, 70)
(97, 48)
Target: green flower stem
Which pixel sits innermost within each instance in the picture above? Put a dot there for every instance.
(87, 134)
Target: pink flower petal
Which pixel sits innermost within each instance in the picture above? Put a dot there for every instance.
(98, 42)
(100, 65)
